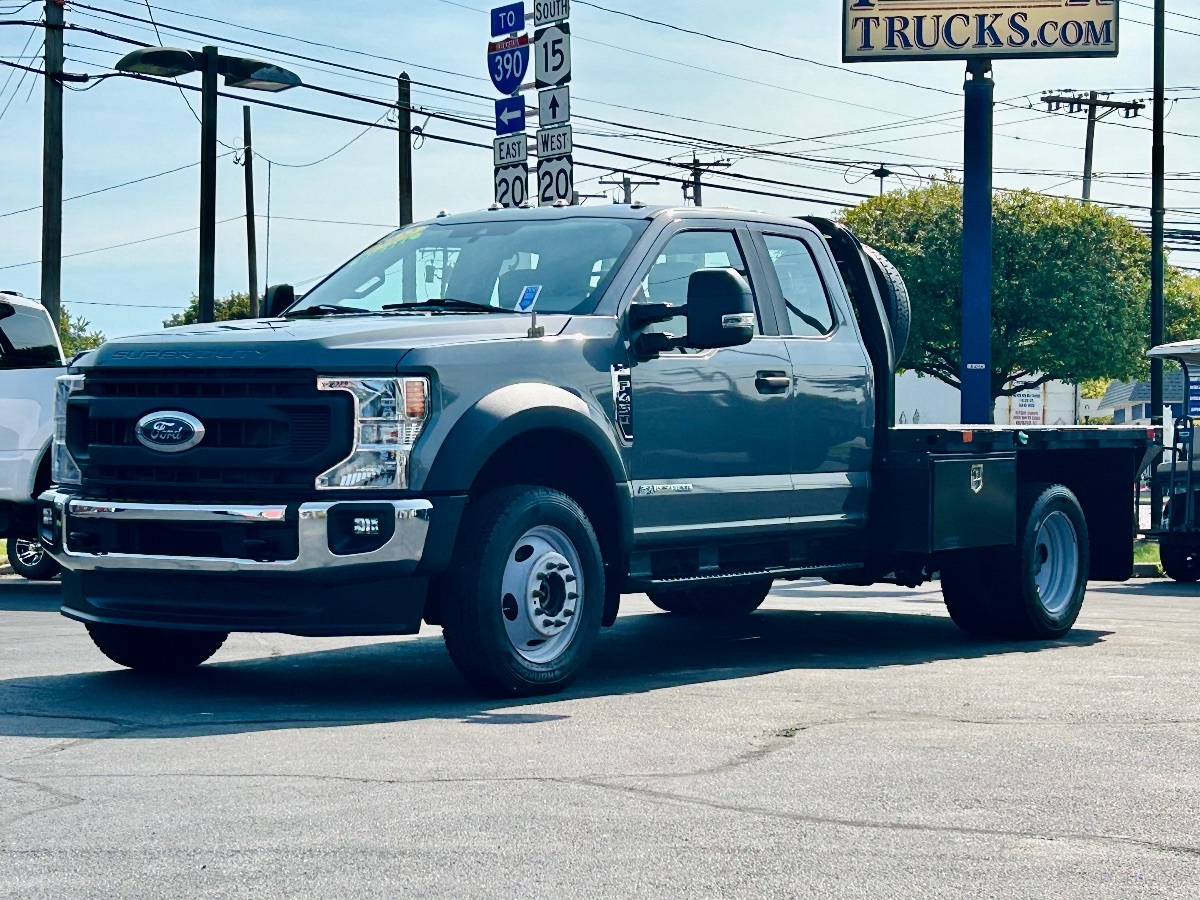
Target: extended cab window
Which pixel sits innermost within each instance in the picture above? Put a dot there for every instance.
(685, 253)
(570, 261)
(808, 309)
(27, 340)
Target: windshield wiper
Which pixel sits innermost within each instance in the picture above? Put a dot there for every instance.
(449, 303)
(327, 309)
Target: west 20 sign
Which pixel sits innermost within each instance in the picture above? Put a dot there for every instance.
(962, 29)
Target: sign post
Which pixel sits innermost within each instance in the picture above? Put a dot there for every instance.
(978, 31)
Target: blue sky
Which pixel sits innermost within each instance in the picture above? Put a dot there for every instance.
(123, 130)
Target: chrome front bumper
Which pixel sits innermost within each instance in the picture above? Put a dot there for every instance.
(403, 551)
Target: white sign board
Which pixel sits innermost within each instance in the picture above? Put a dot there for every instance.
(552, 56)
(1029, 407)
(962, 29)
(546, 12)
(554, 141)
(554, 106)
(510, 150)
(512, 185)
(555, 179)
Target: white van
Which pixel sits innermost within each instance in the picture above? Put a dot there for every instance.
(31, 358)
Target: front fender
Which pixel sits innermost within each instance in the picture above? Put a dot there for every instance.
(507, 413)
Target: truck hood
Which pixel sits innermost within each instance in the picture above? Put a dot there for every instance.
(334, 344)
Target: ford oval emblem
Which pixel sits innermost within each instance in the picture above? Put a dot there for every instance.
(169, 432)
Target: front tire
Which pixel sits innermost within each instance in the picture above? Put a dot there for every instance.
(723, 601)
(1180, 562)
(525, 594)
(30, 560)
(155, 649)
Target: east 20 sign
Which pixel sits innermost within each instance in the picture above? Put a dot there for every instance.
(962, 29)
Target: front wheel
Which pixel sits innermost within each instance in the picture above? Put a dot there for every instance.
(30, 560)
(1180, 562)
(155, 649)
(723, 601)
(525, 593)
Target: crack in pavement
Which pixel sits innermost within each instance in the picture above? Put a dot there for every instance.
(61, 799)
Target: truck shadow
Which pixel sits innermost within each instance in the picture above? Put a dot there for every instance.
(412, 679)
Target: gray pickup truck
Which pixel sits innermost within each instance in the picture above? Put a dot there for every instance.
(501, 422)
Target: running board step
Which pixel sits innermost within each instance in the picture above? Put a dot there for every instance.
(734, 577)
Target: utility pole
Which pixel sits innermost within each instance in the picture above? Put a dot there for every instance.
(1075, 103)
(976, 373)
(881, 173)
(404, 122)
(1158, 260)
(627, 186)
(52, 163)
(208, 187)
(251, 237)
(698, 169)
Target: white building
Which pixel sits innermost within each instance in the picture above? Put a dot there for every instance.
(924, 400)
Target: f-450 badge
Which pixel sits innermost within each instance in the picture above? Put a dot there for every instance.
(622, 387)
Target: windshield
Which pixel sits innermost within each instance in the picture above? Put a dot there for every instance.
(565, 264)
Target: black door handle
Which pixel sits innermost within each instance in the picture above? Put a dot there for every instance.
(773, 382)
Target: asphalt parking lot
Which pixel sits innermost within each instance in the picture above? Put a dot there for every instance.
(842, 742)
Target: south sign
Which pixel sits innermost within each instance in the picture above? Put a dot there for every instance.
(965, 29)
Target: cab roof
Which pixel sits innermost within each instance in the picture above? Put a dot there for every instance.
(612, 211)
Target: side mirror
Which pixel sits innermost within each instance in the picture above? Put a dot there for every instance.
(720, 309)
(277, 298)
(6, 310)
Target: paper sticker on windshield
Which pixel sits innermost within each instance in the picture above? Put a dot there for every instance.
(529, 297)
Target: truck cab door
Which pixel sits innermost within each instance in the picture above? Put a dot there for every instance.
(833, 398)
(711, 450)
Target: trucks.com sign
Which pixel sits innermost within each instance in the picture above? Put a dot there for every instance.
(962, 29)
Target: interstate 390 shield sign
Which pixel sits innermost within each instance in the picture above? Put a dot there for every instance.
(965, 29)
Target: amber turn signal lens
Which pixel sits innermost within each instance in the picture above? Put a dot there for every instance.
(414, 398)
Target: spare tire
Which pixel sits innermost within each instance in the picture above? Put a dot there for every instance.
(896, 301)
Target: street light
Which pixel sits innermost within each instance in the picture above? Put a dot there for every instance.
(251, 74)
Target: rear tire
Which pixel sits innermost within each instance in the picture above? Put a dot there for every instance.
(525, 593)
(1033, 591)
(1179, 561)
(724, 601)
(30, 560)
(155, 649)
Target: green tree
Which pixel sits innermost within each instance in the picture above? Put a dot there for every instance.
(76, 334)
(1070, 284)
(235, 306)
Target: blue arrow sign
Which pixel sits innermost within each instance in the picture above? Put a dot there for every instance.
(508, 61)
(508, 19)
(510, 115)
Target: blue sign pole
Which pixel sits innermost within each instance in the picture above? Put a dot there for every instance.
(976, 374)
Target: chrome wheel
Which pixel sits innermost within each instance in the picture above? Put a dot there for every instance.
(540, 594)
(28, 553)
(1056, 562)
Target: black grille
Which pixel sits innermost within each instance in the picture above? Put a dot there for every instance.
(271, 430)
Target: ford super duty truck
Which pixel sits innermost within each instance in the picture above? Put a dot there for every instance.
(501, 422)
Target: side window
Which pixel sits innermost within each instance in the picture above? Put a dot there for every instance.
(808, 309)
(688, 251)
(28, 341)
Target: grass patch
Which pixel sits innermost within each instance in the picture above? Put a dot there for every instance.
(1145, 552)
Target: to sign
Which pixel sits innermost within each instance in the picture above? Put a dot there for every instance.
(546, 12)
(510, 115)
(508, 151)
(554, 106)
(555, 179)
(554, 141)
(512, 185)
(508, 61)
(961, 29)
(552, 55)
(508, 19)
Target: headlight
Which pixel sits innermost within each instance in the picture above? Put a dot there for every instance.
(389, 415)
(63, 468)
